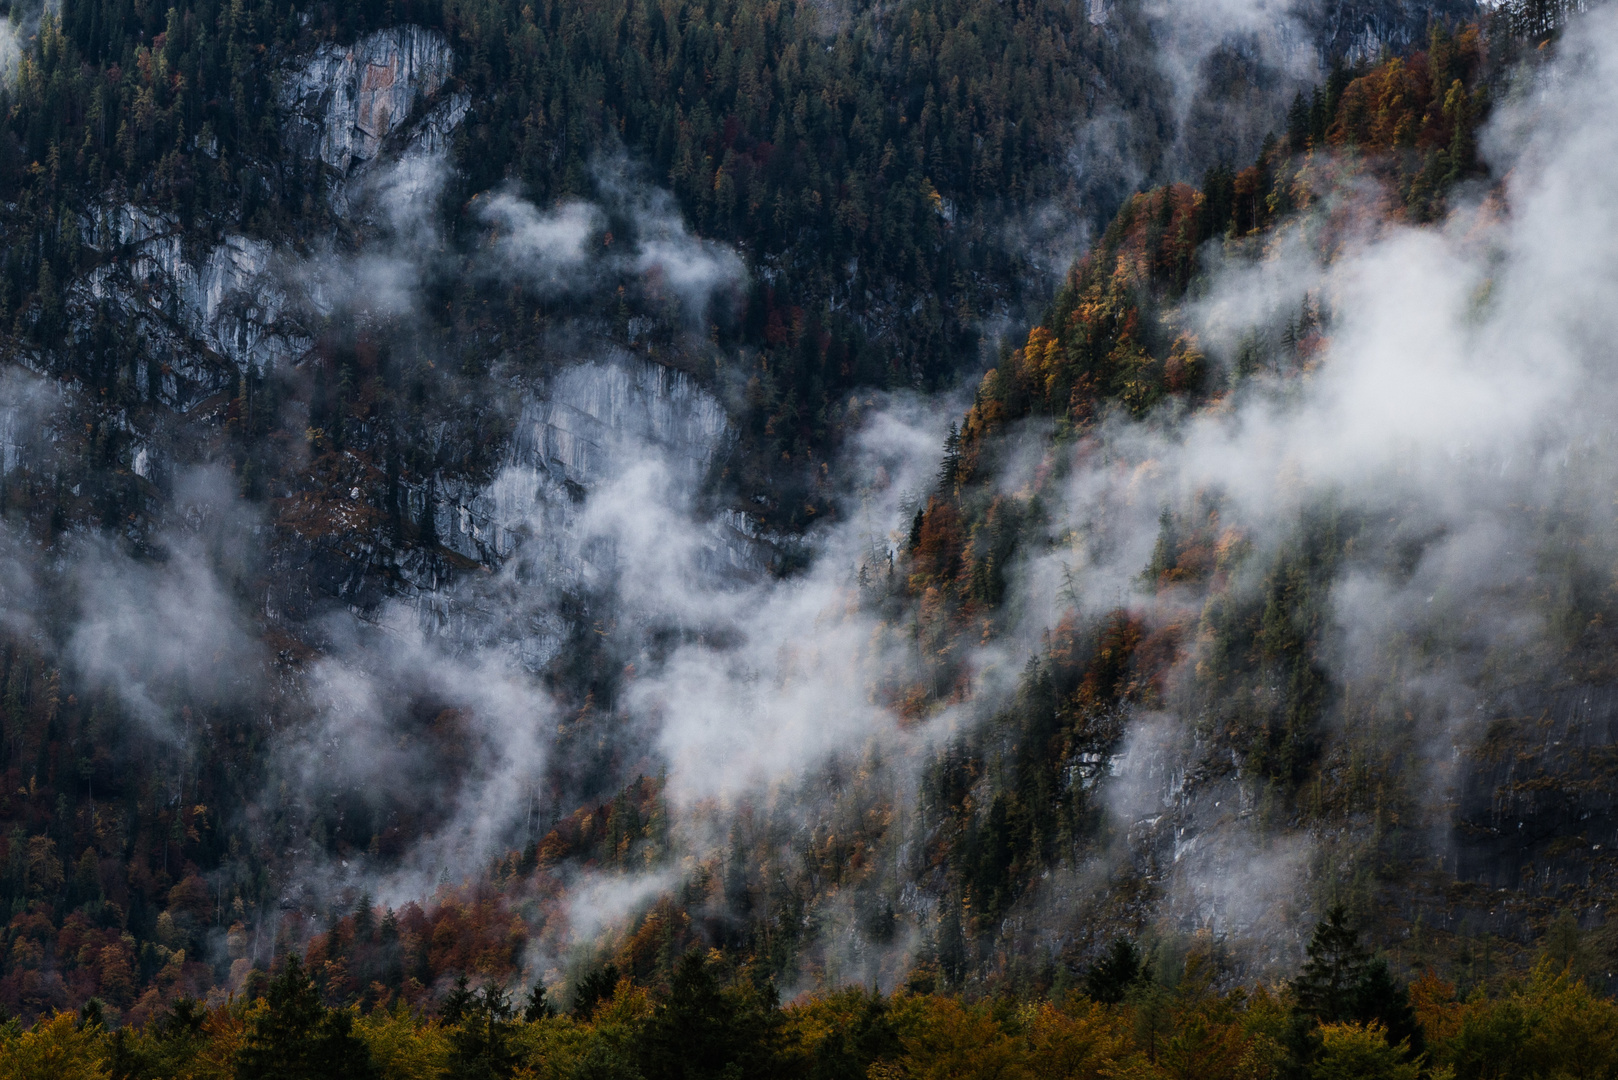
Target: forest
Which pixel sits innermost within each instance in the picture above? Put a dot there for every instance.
(900, 152)
(769, 139)
(869, 165)
(1341, 1018)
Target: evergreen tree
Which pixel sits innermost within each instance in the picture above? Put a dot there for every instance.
(594, 988)
(703, 1031)
(480, 1046)
(298, 1038)
(1341, 983)
(1379, 999)
(867, 1036)
(456, 1002)
(950, 470)
(1112, 976)
(539, 1006)
(364, 919)
(1327, 986)
(1298, 124)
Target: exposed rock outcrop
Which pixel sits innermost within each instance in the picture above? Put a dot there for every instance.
(590, 408)
(207, 309)
(229, 300)
(1358, 30)
(572, 434)
(345, 102)
(232, 298)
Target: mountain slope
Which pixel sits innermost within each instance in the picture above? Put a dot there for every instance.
(467, 448)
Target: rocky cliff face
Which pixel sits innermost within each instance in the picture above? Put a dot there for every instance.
(574, 434)
(205, 314)
(343, 103)
(1357, 31)
(230, 300)
(225, 302)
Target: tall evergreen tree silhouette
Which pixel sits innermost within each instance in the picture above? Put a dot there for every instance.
(298, 1038)
(1327, 985)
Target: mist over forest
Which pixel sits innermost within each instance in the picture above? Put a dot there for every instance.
(716, 538)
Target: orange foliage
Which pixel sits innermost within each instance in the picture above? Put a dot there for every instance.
(1439, 1014)
(937, 554)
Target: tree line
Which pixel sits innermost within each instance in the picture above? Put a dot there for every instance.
(1341, 1018)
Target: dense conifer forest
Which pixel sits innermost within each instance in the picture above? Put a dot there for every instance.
(895, 180)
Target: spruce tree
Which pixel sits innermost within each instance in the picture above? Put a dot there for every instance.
(539, 1006)
(1112, 976)
(456, 1002)
(1298, 123)
(1379, 999)
(480, 1045)
(1341, 982)
(950, 469)
(298, 1038)
(703, 1031)
(1330, 977)
(594, 988)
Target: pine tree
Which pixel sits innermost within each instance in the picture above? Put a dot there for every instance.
(1298, 123)
(1378, 999)
(703, 1031)
(915, 528)
(539, 1006)
(456, 1003)
(1327, 985)
(364, 919)
(594, 988)
(1165, 553)
(1341, 983)
(298, 1038)
(950, 470)
(1111, 977)
(480, 1046)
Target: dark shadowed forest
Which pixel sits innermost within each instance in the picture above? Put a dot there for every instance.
(713, 538)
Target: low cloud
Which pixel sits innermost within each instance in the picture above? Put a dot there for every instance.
(157, 635)
(458, 741)
(570, 247)
(17, 32)
(397, 203)
(548, 250)
(1232, 67)
(1460, 409)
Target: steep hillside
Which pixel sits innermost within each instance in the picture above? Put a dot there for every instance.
(348, 340)
(488, 489)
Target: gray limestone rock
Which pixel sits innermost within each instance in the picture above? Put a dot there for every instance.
(344, 102)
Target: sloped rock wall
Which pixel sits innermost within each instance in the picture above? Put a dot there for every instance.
(229, 300)
(345, 102)
(1358, 30)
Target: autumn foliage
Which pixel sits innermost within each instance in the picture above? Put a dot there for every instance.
(713, 1021)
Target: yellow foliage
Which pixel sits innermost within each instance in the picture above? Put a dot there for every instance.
(811, 1023)
(1042, 360)
(1433, 1001)
(1088, 1043)
(1204, 1049)
(403, 1046)
(550, 1049)
(226, 1028)
(1361, 1052)
(55, 1049)
(1569, 1025)
(630, 1004)
(557, 1049)
(945, 1040)
(1554, 1027)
